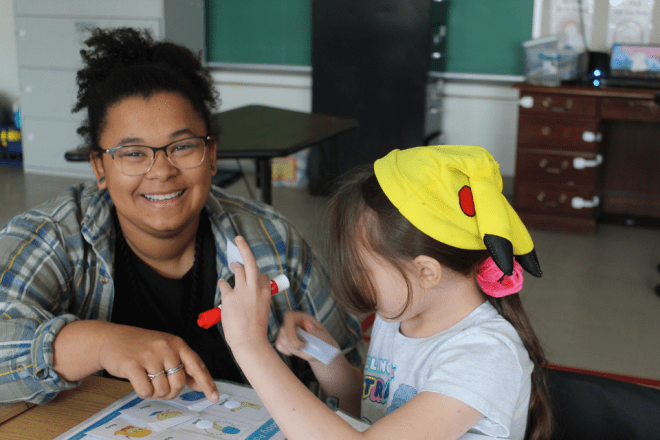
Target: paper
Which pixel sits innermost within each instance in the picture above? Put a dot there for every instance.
(158, 414)
(355, 423)
(630, 21)
(195, 400)
(233, 254)
(154, 419)
(318, 348)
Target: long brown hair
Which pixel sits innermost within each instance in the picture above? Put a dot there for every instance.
(360, 214)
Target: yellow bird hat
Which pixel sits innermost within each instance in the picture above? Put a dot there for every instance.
(453, 193)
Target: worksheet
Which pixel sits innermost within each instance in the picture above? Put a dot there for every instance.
(239, 414)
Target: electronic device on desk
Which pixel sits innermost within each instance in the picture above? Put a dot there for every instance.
(592, 68)
(634, 65)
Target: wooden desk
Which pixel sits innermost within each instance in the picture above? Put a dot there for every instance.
(66, 410)
(614, 131)
(262, 133)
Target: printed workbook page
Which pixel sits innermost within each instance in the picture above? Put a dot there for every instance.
(239, 414)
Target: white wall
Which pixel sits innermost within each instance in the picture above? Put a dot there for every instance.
(291, 91)
(484, 114)
(8, 63)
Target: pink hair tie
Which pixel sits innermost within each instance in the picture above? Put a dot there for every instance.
(493, 281)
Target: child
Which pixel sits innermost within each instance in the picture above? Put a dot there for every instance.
(426, 240)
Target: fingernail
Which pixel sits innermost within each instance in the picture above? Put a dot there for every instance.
(215, 396)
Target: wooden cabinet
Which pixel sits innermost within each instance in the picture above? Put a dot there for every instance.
(558, 161)
(586, 154)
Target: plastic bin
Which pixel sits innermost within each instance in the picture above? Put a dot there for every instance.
(547, 64)
(11, 150)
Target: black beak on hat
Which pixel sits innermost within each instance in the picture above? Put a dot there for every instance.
(501, 250)
(530, 263)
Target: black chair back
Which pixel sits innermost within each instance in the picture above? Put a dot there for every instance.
(587, 406)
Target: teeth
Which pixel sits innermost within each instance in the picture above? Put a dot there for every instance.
(163, 197)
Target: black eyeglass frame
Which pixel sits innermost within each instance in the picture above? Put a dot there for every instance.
(206, 140)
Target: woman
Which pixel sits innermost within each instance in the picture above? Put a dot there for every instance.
(112, 275)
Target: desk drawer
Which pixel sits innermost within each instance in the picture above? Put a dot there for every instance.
(557, 169)
(561, 135)
(552, 199)
(641, 110)
(559, 104)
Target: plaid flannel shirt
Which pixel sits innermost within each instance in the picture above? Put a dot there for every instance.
(57, 265)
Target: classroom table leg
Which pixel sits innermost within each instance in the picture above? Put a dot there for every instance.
(265, 172)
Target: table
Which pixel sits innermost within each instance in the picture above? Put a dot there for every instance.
(262, 133)
(587, 154)
(66, 410)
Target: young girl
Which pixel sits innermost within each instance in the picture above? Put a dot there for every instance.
(425, 239)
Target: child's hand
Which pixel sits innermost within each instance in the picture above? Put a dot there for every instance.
(246, 307)
(289, 343)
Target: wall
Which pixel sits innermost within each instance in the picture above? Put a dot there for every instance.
(8, 63)
(478, 113)
(485, 114)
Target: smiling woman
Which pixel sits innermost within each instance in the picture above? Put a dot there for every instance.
(111, 275)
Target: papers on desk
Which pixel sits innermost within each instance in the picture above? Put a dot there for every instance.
(239, 414)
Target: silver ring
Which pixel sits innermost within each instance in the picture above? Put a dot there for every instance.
(151, 376)
(174, 370)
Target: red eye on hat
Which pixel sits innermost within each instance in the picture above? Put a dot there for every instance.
(466, 202)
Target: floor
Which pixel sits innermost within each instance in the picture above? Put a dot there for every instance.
(594, 307)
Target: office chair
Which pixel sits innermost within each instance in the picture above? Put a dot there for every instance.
(593, 405)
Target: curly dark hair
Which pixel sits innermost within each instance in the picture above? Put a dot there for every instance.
(126, 62)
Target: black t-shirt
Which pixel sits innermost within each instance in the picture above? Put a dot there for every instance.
(164, 304)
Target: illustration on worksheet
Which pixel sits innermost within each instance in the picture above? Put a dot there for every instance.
(239, 414)
(240, 409)
(159, 414)
(133, 431)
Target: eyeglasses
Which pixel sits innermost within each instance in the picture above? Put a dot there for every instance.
(134, 160)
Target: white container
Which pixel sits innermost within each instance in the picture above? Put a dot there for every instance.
(548, 64)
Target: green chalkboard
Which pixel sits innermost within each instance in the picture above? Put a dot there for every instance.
(486, 36)
(483, 36)
(259, 31)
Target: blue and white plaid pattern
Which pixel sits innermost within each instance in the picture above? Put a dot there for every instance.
(57, 263)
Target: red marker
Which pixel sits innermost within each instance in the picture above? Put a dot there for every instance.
(212, 317)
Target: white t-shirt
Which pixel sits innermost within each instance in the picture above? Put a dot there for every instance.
(480, 361)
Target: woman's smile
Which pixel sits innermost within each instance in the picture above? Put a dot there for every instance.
(163, 197)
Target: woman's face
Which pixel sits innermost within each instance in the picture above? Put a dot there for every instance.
(166, 199)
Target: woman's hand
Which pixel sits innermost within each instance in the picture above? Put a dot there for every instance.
(133, 353)
(246, 307)
(290, 344)
(84, 347)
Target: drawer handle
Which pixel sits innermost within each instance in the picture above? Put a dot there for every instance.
(580, 163)
(541, 197)
(547, 103)
(543, 163)
(651, 105)
(526, 102)
(579, 202)
(590, 136)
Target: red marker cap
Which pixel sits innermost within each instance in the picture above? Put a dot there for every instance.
(209, 318)
(279, 284)
(212, 317)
